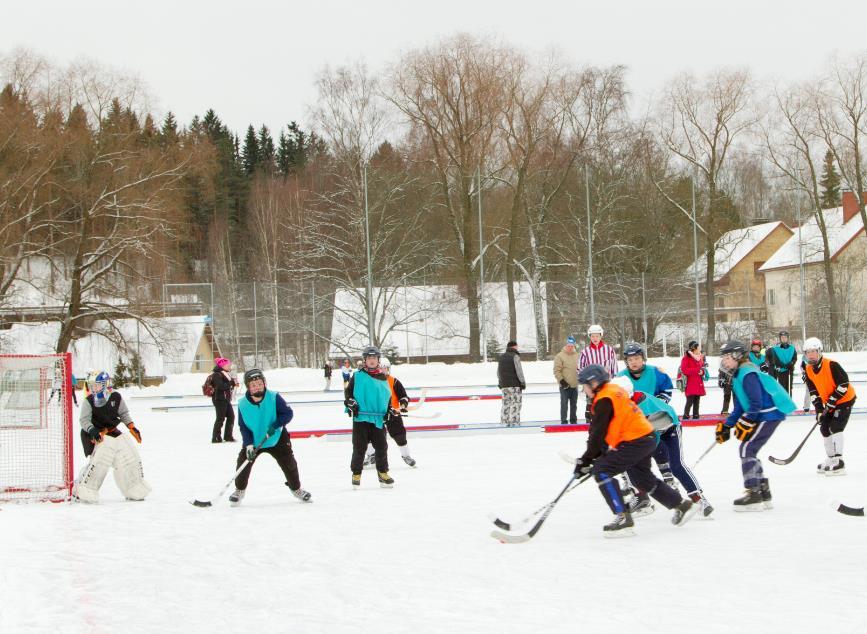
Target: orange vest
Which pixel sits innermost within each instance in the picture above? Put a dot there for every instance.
(628, 423)
(825, 384)
(394, 402)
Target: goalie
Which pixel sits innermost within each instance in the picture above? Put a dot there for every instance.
(101, 414)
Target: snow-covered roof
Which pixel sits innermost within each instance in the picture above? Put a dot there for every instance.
(733, 247)
(172, 351)
(839, 235)
(436, 316)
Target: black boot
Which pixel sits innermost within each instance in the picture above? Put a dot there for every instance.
(683, 512)
(765, 488)
(751, 500)
(620, 527)
(215, 435)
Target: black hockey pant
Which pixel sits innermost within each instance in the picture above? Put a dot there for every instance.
(282, 453)
(362, 434)
(836, 421)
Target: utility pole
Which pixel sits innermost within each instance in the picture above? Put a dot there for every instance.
(369, 264)
(803, 283)
(695, 267)
(589, 245)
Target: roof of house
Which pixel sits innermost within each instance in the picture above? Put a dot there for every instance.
(840, 234)
(733, 247)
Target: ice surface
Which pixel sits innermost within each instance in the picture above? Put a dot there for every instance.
(418, 558)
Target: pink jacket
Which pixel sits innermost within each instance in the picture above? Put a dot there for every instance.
(693, 371)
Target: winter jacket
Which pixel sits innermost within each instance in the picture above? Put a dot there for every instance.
(223, 385)
(693, 371)
(509, 372)
(566, 367)
(327, 368)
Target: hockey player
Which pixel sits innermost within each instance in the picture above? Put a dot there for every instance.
(618, 424)
(757, 357)
(394, 422)
(667, 425)
(367, 401)
(781, 360)
(262, 418)
(833, 397)
(57, 385)
(597, 352)
(100, 416)
(761, 404)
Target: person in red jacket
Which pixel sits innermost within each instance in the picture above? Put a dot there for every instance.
(693, 368)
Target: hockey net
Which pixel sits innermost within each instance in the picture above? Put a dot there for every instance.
(35, 427)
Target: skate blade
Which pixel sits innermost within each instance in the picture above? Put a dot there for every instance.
(623, 532)
(749, 508)
(769, 506)
(643, 512)
(384, 485)
(831, 474)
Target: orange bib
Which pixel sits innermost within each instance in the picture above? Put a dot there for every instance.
(825, 384)
(628, 423)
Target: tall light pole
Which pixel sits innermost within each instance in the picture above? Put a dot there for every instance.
(803, 284)
(482, 328)
(589, 245)
(369, 264)
(695, 267)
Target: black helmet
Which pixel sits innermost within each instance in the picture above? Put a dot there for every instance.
(252, 375)
(370, 351)
(784, 333)
(593, 372)
(735, 348)
(692, 345)
(632, 349)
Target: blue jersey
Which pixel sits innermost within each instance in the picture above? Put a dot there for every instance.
(651, 381)
(758, 397)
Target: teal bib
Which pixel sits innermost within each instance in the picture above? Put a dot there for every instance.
(259, 417)
(373, 396)
(781, 398)
(645, 383)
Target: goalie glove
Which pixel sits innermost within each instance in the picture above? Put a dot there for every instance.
(744, 429)
(135, 432)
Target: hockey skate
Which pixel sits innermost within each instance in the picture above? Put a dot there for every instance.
(703, 505)
(409, 460)
(385, 480)
(683, 512)
(236, 497)
(356, 480)
(622, 526)
(641, 506)
(767, 498)
(301, 494)
(822, 467)
(751, 500)
(837, 468)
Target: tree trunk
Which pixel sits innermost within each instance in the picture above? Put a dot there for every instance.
(70, 323)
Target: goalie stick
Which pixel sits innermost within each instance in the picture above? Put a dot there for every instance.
(797, 449)
(511, 538)
(207, 503)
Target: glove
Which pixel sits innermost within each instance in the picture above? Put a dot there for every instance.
(392, 413)
(744, 429)
(352, 406)
(523, 386)
(563, 384)
(404, 405)
(134, 431)
(250, 450)
(582, 467)
(94, 435)
(723, 432)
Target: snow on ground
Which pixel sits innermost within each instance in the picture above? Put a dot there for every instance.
(419, 557)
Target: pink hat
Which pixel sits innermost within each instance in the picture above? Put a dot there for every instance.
(222, 362)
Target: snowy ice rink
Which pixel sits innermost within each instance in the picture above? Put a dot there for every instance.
(418, 558)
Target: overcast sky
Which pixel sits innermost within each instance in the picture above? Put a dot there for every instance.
(254, 61)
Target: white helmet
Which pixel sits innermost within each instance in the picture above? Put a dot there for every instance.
(384, 362)
(625, 383)
(813, 343)
(595, 329)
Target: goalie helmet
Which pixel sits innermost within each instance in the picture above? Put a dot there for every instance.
(101, 386)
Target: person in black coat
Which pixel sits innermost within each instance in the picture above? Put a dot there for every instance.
(510, 378)
(224, 384)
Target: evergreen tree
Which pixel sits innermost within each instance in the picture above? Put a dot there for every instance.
(251, 155)
(169, 131)
(266, 150)
(830, 183)
(284, 154)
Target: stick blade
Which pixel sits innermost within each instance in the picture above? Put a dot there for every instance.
(850, 510)
(201, 504)
(506, 538)
(778, 461)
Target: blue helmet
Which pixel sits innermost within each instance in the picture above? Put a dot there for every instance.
(101, 385)
(632, 349)
(593, 372)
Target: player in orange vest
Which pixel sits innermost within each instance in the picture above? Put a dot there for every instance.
(617, 423)
(833, 397)
(394, 421)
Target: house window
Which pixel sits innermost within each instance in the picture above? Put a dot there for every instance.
(771, 301)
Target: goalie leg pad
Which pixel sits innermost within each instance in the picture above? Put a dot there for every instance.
(89, 482)
(128, 471)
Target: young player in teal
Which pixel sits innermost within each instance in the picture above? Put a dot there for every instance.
(781, 360)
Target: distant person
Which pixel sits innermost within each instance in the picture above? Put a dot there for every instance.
(328, 369)
(597, 352)
(693, 367)
(510, 379)
(224, 385)
(346, 371)
(394, 418)
(724, 380)
(781, 361)
(757, 356)
(804, 381)
(566, 374)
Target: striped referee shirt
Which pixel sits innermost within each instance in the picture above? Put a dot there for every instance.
(601, 354)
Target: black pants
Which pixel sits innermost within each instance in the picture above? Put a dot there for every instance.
(632, 457)
(691, 402)
(282, 453)
(362, 434)
(396, 430)
(224, 412)
(569, 400)
(836, 423)
(727, 398)
(785, 379)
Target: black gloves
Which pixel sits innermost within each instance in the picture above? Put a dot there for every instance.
(563, 384)
(94, 435)
(352, 406)
(404, 405)
(582, 467)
